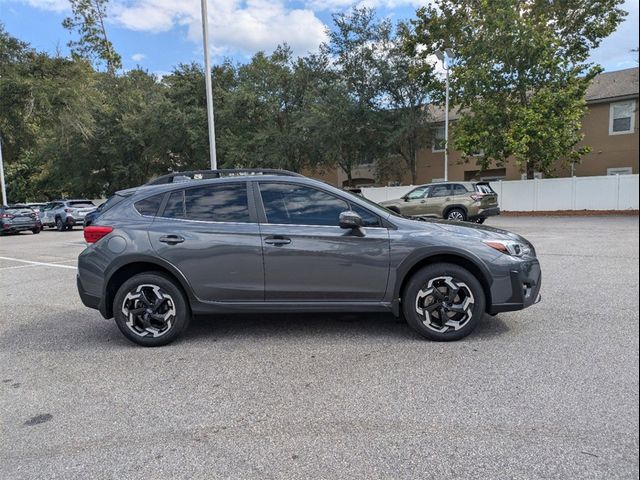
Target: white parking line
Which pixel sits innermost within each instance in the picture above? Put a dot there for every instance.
(43, 264)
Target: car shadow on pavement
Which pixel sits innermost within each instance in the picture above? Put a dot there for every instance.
(75, 330)
(370, 325)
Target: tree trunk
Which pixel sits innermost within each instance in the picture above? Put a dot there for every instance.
(530, 170)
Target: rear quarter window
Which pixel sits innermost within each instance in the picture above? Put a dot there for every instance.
(148, 206)
(210, 203)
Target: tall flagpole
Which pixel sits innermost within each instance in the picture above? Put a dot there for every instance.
(207, 81)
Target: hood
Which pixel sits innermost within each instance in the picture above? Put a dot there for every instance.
(470, 230)
(388, 203)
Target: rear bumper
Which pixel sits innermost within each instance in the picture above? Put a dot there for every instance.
(18, 227)
(487, 212)
(88, 300)
(525, 289)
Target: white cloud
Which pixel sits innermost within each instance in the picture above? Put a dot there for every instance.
(333, 5)
(614, 52)
(52, 5)
(138, 57)
(234, 26)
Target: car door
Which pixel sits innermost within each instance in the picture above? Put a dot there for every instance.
(415, 201)
(308, 257)
(439, 197)
(47, 213)
(211, 235)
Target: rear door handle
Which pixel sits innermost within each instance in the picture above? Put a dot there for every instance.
(171, 239)
(277, 240)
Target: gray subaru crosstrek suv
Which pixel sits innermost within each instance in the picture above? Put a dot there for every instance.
(265, 241)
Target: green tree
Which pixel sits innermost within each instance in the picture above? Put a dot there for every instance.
(406, 97)
(350, 111)
(520, 73)
(88, 20)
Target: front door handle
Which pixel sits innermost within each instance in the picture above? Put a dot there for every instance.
(171, 239)
(277, 240)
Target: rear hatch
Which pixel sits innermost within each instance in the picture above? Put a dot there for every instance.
(489, 196)
(20, 216)
(79, 208)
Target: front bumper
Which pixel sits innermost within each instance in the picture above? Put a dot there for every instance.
(525, 283)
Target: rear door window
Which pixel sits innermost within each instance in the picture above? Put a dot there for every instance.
(440, 191)
(459, 189)
(210, 203)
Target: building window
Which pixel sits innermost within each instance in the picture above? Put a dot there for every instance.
(620, 171)
(438, 139)
(622, 117)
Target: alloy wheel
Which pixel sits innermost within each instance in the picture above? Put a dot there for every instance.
(149, 310)
(445, 304)
(455, 215)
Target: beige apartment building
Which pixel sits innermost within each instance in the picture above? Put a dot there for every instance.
(610, 128)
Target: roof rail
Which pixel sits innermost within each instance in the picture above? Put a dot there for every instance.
(175, 177)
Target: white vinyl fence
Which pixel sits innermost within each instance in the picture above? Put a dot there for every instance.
(613, 192)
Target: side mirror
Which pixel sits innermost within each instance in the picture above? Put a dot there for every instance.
(350, 219)
(405, 198)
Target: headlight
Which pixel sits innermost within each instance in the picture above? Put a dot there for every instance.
(510, 247)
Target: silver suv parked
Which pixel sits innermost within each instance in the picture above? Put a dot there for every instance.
(273, 242)
(65, 214)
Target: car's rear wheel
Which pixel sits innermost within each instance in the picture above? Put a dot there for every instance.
(36, 231)
(443, 302)
(151, 310)
(456, 214)
(480, 220)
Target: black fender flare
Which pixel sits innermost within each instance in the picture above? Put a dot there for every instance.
(127, 260)
(422, 256)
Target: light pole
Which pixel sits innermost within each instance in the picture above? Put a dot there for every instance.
(2, 186)
(442, 56)
(207, 82)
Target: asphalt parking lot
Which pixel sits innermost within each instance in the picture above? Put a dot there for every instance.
(549, 392)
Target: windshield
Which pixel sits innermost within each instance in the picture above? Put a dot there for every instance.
(416, 193)
(376, 207)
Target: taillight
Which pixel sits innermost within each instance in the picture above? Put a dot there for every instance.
(6, 215)
(477, 196)
(93, 233)
(68, 210)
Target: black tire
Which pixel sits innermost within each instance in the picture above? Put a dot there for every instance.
(420, 293)
(59, 225)
(36, 231)
(456, 214)
(133, 326)
(480, 220)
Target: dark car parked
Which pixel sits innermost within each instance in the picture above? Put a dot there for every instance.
(276, 242)
(19, 218)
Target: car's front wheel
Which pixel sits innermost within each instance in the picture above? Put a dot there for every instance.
(151, 310)
(443, 302)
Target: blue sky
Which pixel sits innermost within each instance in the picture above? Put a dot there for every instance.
(159, 34)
